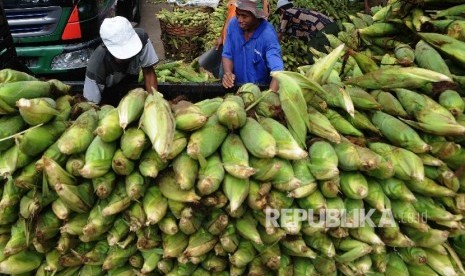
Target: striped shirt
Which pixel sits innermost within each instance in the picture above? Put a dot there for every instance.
(302, 23)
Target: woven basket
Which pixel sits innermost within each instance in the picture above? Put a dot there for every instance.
(177, 48)
(199, 8)
(177, 30)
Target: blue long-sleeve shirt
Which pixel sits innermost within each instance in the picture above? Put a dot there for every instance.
(253, 60)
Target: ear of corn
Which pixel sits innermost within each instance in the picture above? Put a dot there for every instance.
(235, 157)
(323, 160)
(13, 159)
(74, 163)
(404, 77)
(447, 45)
(28, 178)
(211, 175)
(10, 125)
(257, 140)
(188, 116)
(249, 93)
(131, 106)
(118, 201)
(236, 190)
(428, 58)
(231, 112)
(54, 153)
(11, 75)
(362, 99)
(406, 164)
(23, 262)
(158, 123)
(36, 140)
(136, 185)
(104, 185)
(108, 128)
(285, 179)
(390, 103)
(452, 101)
(122, 165)
(287, 146)
(98, 158)
(319, 125)
(38, 110)
(399, 133)
(11, 92)
(267, 169)
(79, 135)
(78, 198)
(209, 106)
(185, 170)
(206, 140)
(293, 105)
(269, 105)
(172, 190)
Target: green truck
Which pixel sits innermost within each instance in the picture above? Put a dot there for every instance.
(55, 38)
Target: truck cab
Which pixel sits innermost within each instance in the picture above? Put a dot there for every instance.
(55, 38)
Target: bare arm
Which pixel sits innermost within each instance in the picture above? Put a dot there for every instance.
(228, 76)
(150, 79)
(274, 85)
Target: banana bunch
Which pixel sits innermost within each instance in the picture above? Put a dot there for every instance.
(241, 184)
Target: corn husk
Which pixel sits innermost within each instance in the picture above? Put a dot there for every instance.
(206, 140)
(210, 175)
(13, 159)
(151, 164)
(131, 107)
(172, 190)
(79, 135)
(231, 112)
(157, 121)
(36, 140)
(108, 128)
(122, 165)
(38, 110)
(323, 160)
(10, 125)
(98, 158)
(188, 116)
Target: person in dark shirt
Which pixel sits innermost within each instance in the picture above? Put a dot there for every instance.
(116, 63)
(304, 24)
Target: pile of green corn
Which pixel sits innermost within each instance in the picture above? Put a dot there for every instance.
(181, 71)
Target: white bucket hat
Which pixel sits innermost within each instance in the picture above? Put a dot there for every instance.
(282, 3)
(120, 38)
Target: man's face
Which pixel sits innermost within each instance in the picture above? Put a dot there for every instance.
(247, 21)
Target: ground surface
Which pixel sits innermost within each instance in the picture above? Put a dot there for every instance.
(150, 23)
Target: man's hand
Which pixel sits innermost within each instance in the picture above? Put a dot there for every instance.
(228, 80)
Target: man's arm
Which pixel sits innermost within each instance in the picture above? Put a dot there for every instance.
(228, 76)
(92, 91)
(150, 79)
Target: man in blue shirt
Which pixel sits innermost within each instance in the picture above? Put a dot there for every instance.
(251, 50)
